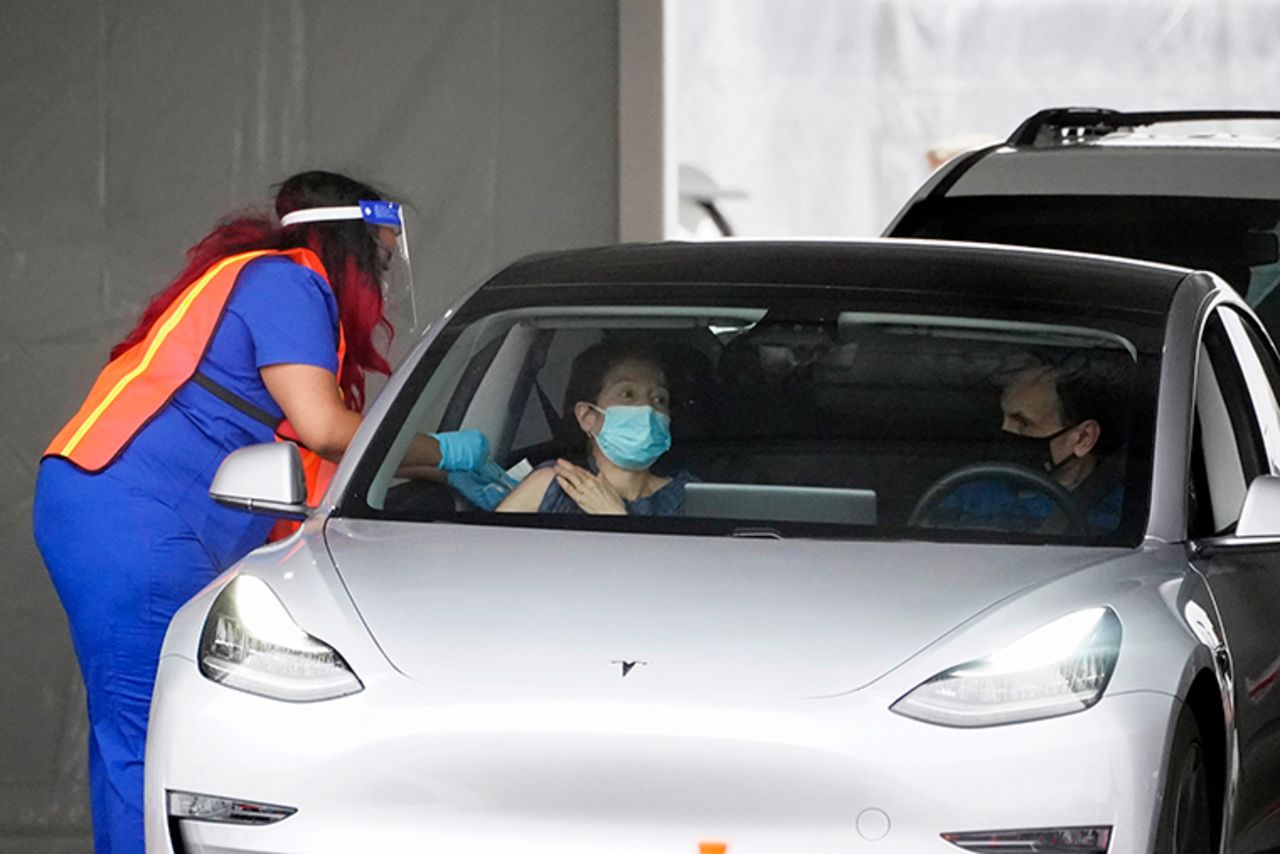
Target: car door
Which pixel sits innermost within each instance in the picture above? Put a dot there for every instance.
(1238, 438)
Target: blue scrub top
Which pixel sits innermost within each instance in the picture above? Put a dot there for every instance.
(279, 313)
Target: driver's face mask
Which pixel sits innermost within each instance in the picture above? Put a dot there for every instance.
(633, 437)
(1036, 452)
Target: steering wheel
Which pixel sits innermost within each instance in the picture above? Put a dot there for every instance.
(1020, 476)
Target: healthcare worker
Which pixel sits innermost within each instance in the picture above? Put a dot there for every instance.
(270, 320)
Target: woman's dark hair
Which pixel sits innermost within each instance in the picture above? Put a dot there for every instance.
(587, 375)
(347, 249)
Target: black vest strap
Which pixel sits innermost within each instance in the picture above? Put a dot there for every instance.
(230, 398)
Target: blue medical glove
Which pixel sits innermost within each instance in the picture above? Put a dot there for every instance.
(462, 450)
(484, 487)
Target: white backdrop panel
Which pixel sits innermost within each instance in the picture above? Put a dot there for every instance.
(823, 110)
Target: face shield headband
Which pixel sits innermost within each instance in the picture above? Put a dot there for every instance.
(397, 274)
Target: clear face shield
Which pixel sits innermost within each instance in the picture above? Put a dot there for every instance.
(386, 226)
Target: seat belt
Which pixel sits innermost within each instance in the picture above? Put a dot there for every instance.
(548, 411)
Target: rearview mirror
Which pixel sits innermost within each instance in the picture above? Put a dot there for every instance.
(1260, 515)
(265, 478)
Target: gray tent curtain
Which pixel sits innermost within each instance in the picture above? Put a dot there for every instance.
(127, 129)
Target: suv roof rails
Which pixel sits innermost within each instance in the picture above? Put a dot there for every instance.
(1049, 128)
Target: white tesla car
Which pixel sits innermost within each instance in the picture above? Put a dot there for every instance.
(961, 547)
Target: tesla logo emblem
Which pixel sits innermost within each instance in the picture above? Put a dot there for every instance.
(628, 665)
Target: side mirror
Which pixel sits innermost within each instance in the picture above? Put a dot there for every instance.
(265, 478)
(1260, 515)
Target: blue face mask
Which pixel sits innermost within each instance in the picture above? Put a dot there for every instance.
(633, 437)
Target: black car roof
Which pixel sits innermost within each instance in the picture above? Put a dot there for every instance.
(968, 270)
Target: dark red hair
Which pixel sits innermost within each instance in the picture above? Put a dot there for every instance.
(347, 249)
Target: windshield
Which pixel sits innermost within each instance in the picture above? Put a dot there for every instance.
(784, 412)
(1235, 238)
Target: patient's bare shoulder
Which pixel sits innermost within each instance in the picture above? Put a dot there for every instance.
(527, 496)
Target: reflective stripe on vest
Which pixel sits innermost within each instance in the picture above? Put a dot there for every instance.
(133, 387)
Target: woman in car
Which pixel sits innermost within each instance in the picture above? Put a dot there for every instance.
(618, 403)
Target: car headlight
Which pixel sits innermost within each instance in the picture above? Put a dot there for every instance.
(1059, 668)
(251, 643)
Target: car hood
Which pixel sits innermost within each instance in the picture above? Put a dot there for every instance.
(491, 607)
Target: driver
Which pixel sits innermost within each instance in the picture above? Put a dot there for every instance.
(1060, 419)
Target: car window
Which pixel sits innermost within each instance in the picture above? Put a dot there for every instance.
(1261, 374)
(1227, 451)
(791, 415)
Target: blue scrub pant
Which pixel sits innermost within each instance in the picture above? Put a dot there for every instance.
(122, 563)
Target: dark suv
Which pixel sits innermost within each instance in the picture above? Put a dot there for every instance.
(1114, 183)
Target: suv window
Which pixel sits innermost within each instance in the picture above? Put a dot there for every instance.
(1235, 238)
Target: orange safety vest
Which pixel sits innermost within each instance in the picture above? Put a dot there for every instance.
(135, 385)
